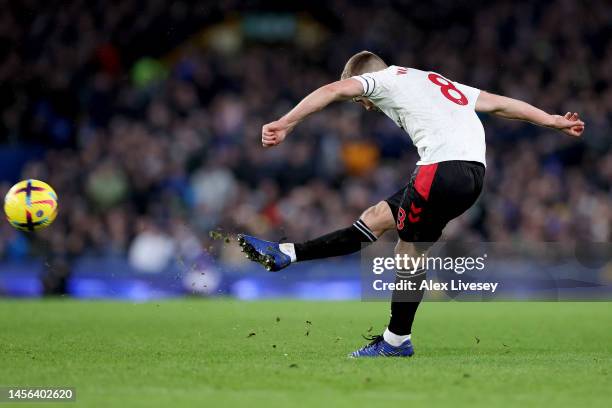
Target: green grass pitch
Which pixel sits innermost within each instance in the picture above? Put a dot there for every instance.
(214, 353)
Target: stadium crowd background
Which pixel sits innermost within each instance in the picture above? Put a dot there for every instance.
(152, 143)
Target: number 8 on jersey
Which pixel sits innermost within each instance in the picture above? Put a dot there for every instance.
(446, 87)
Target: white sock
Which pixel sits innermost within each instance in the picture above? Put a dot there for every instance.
(393, 339)
(288, 249)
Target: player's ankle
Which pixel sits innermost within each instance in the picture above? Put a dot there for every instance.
(394, 339)
(288, 249)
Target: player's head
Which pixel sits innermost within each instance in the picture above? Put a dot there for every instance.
(362, 63)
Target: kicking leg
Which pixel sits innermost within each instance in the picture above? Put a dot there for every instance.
(368, 228)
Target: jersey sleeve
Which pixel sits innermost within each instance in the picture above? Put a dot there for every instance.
(375, 84)
(470, 93)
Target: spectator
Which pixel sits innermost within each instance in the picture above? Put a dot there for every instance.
(179, 145)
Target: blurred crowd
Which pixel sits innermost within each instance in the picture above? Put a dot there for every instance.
(148, 155)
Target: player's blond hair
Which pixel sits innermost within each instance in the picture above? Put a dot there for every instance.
(361, 63)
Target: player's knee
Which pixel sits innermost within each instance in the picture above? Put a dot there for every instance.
(412, 248)
(378, 218)
(407, 248)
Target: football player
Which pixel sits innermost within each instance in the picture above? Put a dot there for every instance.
(439, 115)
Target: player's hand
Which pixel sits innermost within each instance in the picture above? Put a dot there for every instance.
(570, 124)
(274, 133)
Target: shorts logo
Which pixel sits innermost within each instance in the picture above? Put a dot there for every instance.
(413, 219)
(413, 215)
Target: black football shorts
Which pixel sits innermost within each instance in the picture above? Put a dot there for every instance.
(435, 194)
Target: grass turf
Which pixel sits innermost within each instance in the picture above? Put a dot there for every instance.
(204, 353)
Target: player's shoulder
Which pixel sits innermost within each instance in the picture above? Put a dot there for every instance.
(383, 78)
(388, 81)
(402, 73)
(377, 74)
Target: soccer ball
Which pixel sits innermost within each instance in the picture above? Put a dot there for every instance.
(30, 205)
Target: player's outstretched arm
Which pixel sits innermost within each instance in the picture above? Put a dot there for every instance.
(275, 132)
(510, 108)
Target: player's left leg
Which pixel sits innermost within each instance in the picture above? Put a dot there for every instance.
(373, 223)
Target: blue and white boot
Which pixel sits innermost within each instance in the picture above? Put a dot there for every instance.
(266, 253)
(378, 347)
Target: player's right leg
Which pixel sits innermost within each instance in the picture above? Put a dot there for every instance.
(395, 341)
(436, 194)
(368, 228)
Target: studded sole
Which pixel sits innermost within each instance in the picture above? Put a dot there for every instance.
(251, 253)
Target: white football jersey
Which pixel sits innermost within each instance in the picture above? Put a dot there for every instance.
(437, 114)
